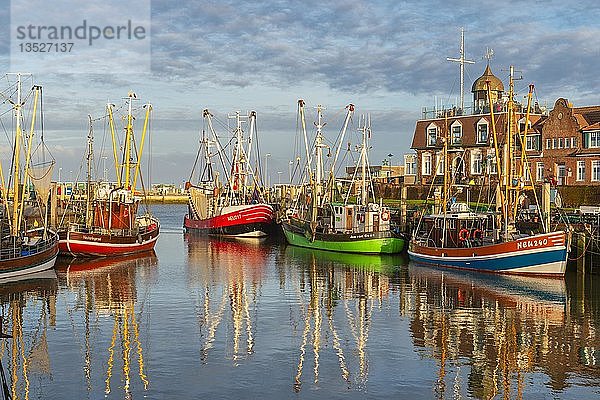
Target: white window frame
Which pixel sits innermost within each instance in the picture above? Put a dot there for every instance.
(595, 170)
(483, 122)
(539, 171)
(491, 167)
(410, 167)
(530, 143)
(431, 128)
(594, 139)
(426, 164)
(456, 132)
(548, 142)
(476, 162)
(440, 163)
(580, 170)
(527, 171)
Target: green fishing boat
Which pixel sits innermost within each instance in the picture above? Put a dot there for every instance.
(315, 221)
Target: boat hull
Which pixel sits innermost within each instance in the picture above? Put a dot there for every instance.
(385, 242)
(543, 254)
(82, 244)
(251, 221)
(12, 267)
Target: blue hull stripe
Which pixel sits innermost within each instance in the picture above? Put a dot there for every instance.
(510, 262)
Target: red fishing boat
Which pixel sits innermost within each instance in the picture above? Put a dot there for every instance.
(238, 207)
(111, 225)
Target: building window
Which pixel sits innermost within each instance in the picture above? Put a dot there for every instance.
(476, 160)
(594, 139)
(560, 143)
(548, 141)
(482, 131)
(596, 170)
(432, 133)
(410, 167)
(554, 143)
(527, 171)
(573, 142)
(456, 134)
(581, 170)
(426, 164)
(490, 161)
(533, 143)
(440, 163)
(539, 171)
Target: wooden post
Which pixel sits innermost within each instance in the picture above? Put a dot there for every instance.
(403, 214)
(546, 204)
(581, 242)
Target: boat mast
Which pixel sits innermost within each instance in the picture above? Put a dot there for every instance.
(128, 139)
(308, 153)
(90, 157)
(111, 122)
(349, 112)
(363, 162)
(462, 61)
(148, 108)
(17, 150)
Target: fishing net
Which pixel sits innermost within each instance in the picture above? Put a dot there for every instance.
(41, 178)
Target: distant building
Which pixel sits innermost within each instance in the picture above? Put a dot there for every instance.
(562, 146)
(379, 173)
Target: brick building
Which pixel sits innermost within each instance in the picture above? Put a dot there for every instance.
(562, 145)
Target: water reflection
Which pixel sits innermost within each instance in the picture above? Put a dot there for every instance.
(28, 307)
(336, 295)
(105, 290)
(227, 275)
(489, 334)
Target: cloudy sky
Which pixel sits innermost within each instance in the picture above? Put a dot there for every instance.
(386, 57)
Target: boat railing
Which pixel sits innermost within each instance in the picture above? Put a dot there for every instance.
(17, 247)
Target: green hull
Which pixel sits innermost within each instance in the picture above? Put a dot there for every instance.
(366, 243)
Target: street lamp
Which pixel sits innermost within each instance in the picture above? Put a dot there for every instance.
(279, 177)
(290, 170)
(267, 169)
(390, 157)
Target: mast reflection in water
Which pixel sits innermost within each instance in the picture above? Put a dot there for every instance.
(219, 319)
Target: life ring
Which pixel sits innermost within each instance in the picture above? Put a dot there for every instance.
(463, 234)
(477, 234)
(385, 216)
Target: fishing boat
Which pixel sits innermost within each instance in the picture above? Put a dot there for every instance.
(495, 240)
(322, 218)
(111, 224)
(237, 206)
(27, 245)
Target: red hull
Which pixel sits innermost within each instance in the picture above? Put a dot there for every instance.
(79, 244)
(245, 220)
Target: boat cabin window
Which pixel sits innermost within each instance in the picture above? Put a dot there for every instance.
(451, 223)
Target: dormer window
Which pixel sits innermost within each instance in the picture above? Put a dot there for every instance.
(482, 131)
(457, 132)
(593, 139)
(432, 134)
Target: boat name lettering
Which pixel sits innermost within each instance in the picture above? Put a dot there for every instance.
(92, 238)
(234, 217)
(363, 236)
(525, 244)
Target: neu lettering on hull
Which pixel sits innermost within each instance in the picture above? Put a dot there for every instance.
(544, 254)
(252, 220)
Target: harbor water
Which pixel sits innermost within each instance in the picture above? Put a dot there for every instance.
(221, 319)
